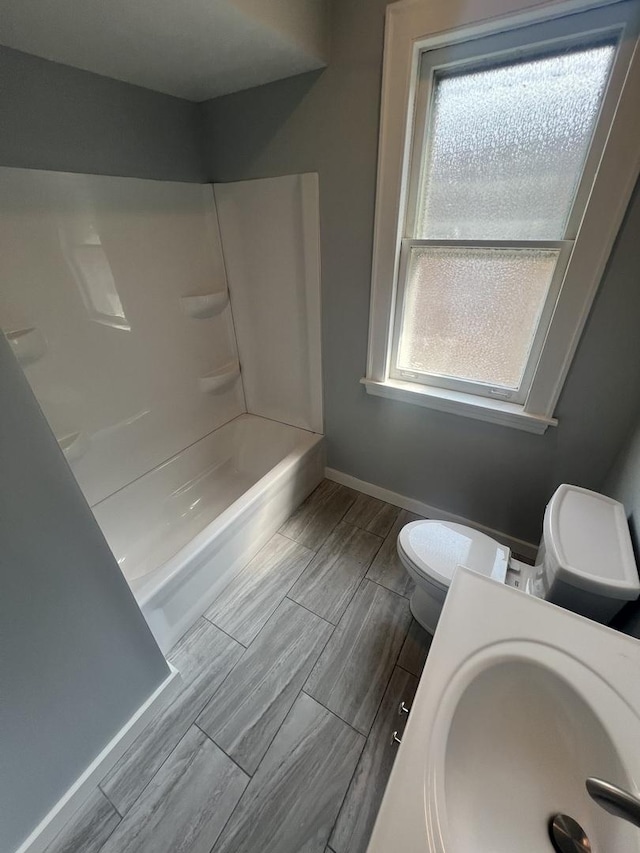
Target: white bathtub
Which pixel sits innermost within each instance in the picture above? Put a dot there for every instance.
(181, 532)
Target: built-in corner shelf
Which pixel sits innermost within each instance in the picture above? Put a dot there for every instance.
(221, 379)
(28, 345)
(205, 305)
(74, 445)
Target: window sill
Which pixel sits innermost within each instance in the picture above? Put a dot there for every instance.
(456, 403)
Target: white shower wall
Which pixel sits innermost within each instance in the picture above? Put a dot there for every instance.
(95, 278)
(271, 236)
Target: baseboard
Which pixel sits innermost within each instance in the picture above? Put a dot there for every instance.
(73, 799)
(520, 546)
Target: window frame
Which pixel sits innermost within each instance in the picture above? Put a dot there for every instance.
(609, 175)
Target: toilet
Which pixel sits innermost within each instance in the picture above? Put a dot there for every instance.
(585, 561)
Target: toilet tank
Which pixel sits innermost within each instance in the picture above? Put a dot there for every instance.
(585, 556)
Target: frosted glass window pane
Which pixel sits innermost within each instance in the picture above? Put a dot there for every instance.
(506, 147)
(472, 313)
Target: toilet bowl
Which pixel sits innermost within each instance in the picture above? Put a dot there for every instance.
(585, 560)
(431, 551)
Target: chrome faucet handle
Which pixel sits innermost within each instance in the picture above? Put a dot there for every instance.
(615, 800)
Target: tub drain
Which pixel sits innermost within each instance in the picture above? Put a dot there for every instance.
(567, 836)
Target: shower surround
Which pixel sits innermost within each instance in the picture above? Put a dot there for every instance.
(180, 373)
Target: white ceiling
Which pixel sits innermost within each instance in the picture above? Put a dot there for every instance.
(195, 49)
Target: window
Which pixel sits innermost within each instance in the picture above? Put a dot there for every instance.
(498, 160)
(504, 141)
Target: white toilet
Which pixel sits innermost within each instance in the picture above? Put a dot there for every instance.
(585, 561)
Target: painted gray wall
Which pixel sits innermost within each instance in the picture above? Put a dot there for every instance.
(60, 118)
(623, 484)
(328, 122)
(76, 656)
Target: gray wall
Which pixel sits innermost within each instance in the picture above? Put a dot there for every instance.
(623, 484)
(61, 118)
(328, 122)
(76, 656)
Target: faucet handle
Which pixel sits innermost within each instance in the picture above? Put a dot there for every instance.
(615, 800)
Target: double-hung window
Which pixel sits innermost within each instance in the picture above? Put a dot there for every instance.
(504, 138)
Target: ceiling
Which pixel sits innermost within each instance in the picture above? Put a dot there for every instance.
(195, 49)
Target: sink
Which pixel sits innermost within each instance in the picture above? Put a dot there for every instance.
(520, 701)
(534, 738)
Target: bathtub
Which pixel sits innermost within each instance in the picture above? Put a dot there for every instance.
(182, 531)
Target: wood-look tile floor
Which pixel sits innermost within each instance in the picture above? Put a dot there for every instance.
(280, 740)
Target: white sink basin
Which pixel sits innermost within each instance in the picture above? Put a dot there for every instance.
(520, 701)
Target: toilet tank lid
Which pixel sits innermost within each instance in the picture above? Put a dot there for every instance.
(588, 545)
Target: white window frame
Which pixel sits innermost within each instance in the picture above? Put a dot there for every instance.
(411, 28)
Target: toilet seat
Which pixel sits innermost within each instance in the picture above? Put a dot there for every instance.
(434, 549)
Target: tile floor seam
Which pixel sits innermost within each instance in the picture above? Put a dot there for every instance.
(392, 668)
(68, 822)
(291, 539)
(383, 503)
(392, 591)
(388, 589)
(395, 664)
(284, 594)
(192, 722)
(358, 634)
(112, 831)
(365, 739)
(104, 793)
(342, 719)
(364, 744)
(297, 696)
(285, 597)
(217, 690)
(330, 634)
(378, 706)
(408, 671)
(219, 836)
(211, 622)
(364, 530)
(217, 745)
(346, 790)
(329, 532)
(276, 733)
(226, 823)
(160, 766)
(333, 625)
(346, 509)
(250, 776)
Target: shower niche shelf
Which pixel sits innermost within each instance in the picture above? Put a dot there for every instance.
(28, 344)
(221, 379)
(74, 445)
(205, 305)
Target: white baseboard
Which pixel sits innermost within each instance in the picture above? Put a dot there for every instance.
(520, 546)
(76, 795)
